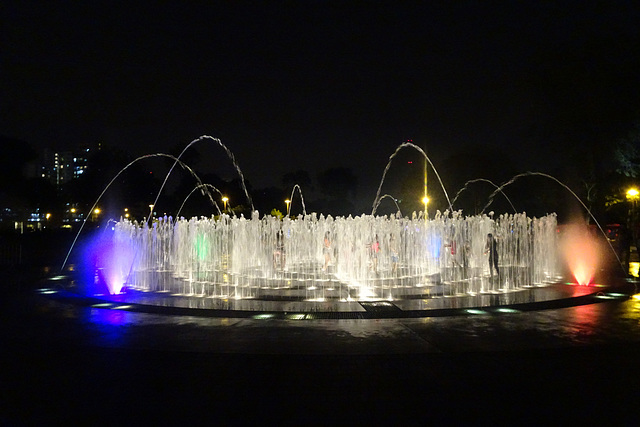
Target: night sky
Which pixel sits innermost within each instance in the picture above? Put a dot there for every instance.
(311, 85)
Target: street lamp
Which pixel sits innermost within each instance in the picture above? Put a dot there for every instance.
(425, 200)
(288, 203)
(225, 199)
(632, 196)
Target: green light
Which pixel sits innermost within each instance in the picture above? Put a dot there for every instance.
(263, 316)
(201, 246)
(102, 305)
(507, 310)
(295, 316)
(472, 311)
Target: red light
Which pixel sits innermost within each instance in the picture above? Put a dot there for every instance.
(410, 162)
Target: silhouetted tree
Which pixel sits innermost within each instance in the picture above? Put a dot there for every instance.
(17, 191)
(627, 153)
(300, 177)
(339, 185)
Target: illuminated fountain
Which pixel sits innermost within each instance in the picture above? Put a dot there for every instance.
(325, 258)
(231, 257)
(581, 250)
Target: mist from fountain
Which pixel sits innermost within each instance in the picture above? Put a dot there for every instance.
(581, 250)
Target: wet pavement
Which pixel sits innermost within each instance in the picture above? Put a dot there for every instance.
(71, 361)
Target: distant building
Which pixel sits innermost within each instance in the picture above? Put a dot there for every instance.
(60, 167)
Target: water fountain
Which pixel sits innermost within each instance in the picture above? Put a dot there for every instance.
(234, 257)
(321, 263)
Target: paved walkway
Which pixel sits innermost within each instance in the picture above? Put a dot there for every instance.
(67, 363)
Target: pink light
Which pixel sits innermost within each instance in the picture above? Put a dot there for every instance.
(581, 251)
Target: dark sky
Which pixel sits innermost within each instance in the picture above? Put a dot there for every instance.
(310, 84)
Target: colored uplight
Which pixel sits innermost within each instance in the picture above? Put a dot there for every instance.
(263, 316)
(201, 247)
(108, 263)
(507, 310)
(581, 252)
(298, 316)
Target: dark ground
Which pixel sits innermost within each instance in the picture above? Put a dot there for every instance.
(64, 364)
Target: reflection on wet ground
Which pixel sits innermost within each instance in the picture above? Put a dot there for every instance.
(518, 321)
(68, 360)
(634, 268)
(530, 298)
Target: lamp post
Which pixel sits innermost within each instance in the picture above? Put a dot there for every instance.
(288, 202)
(632, 195)
(225, 199)
(425, 200)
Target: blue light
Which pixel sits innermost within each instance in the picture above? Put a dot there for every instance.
(106, 264)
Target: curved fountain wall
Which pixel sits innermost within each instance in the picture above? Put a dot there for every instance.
(231, 257)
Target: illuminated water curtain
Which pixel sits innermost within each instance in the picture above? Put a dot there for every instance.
(366, 257)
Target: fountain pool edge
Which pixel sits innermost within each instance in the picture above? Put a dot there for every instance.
(557, 295)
